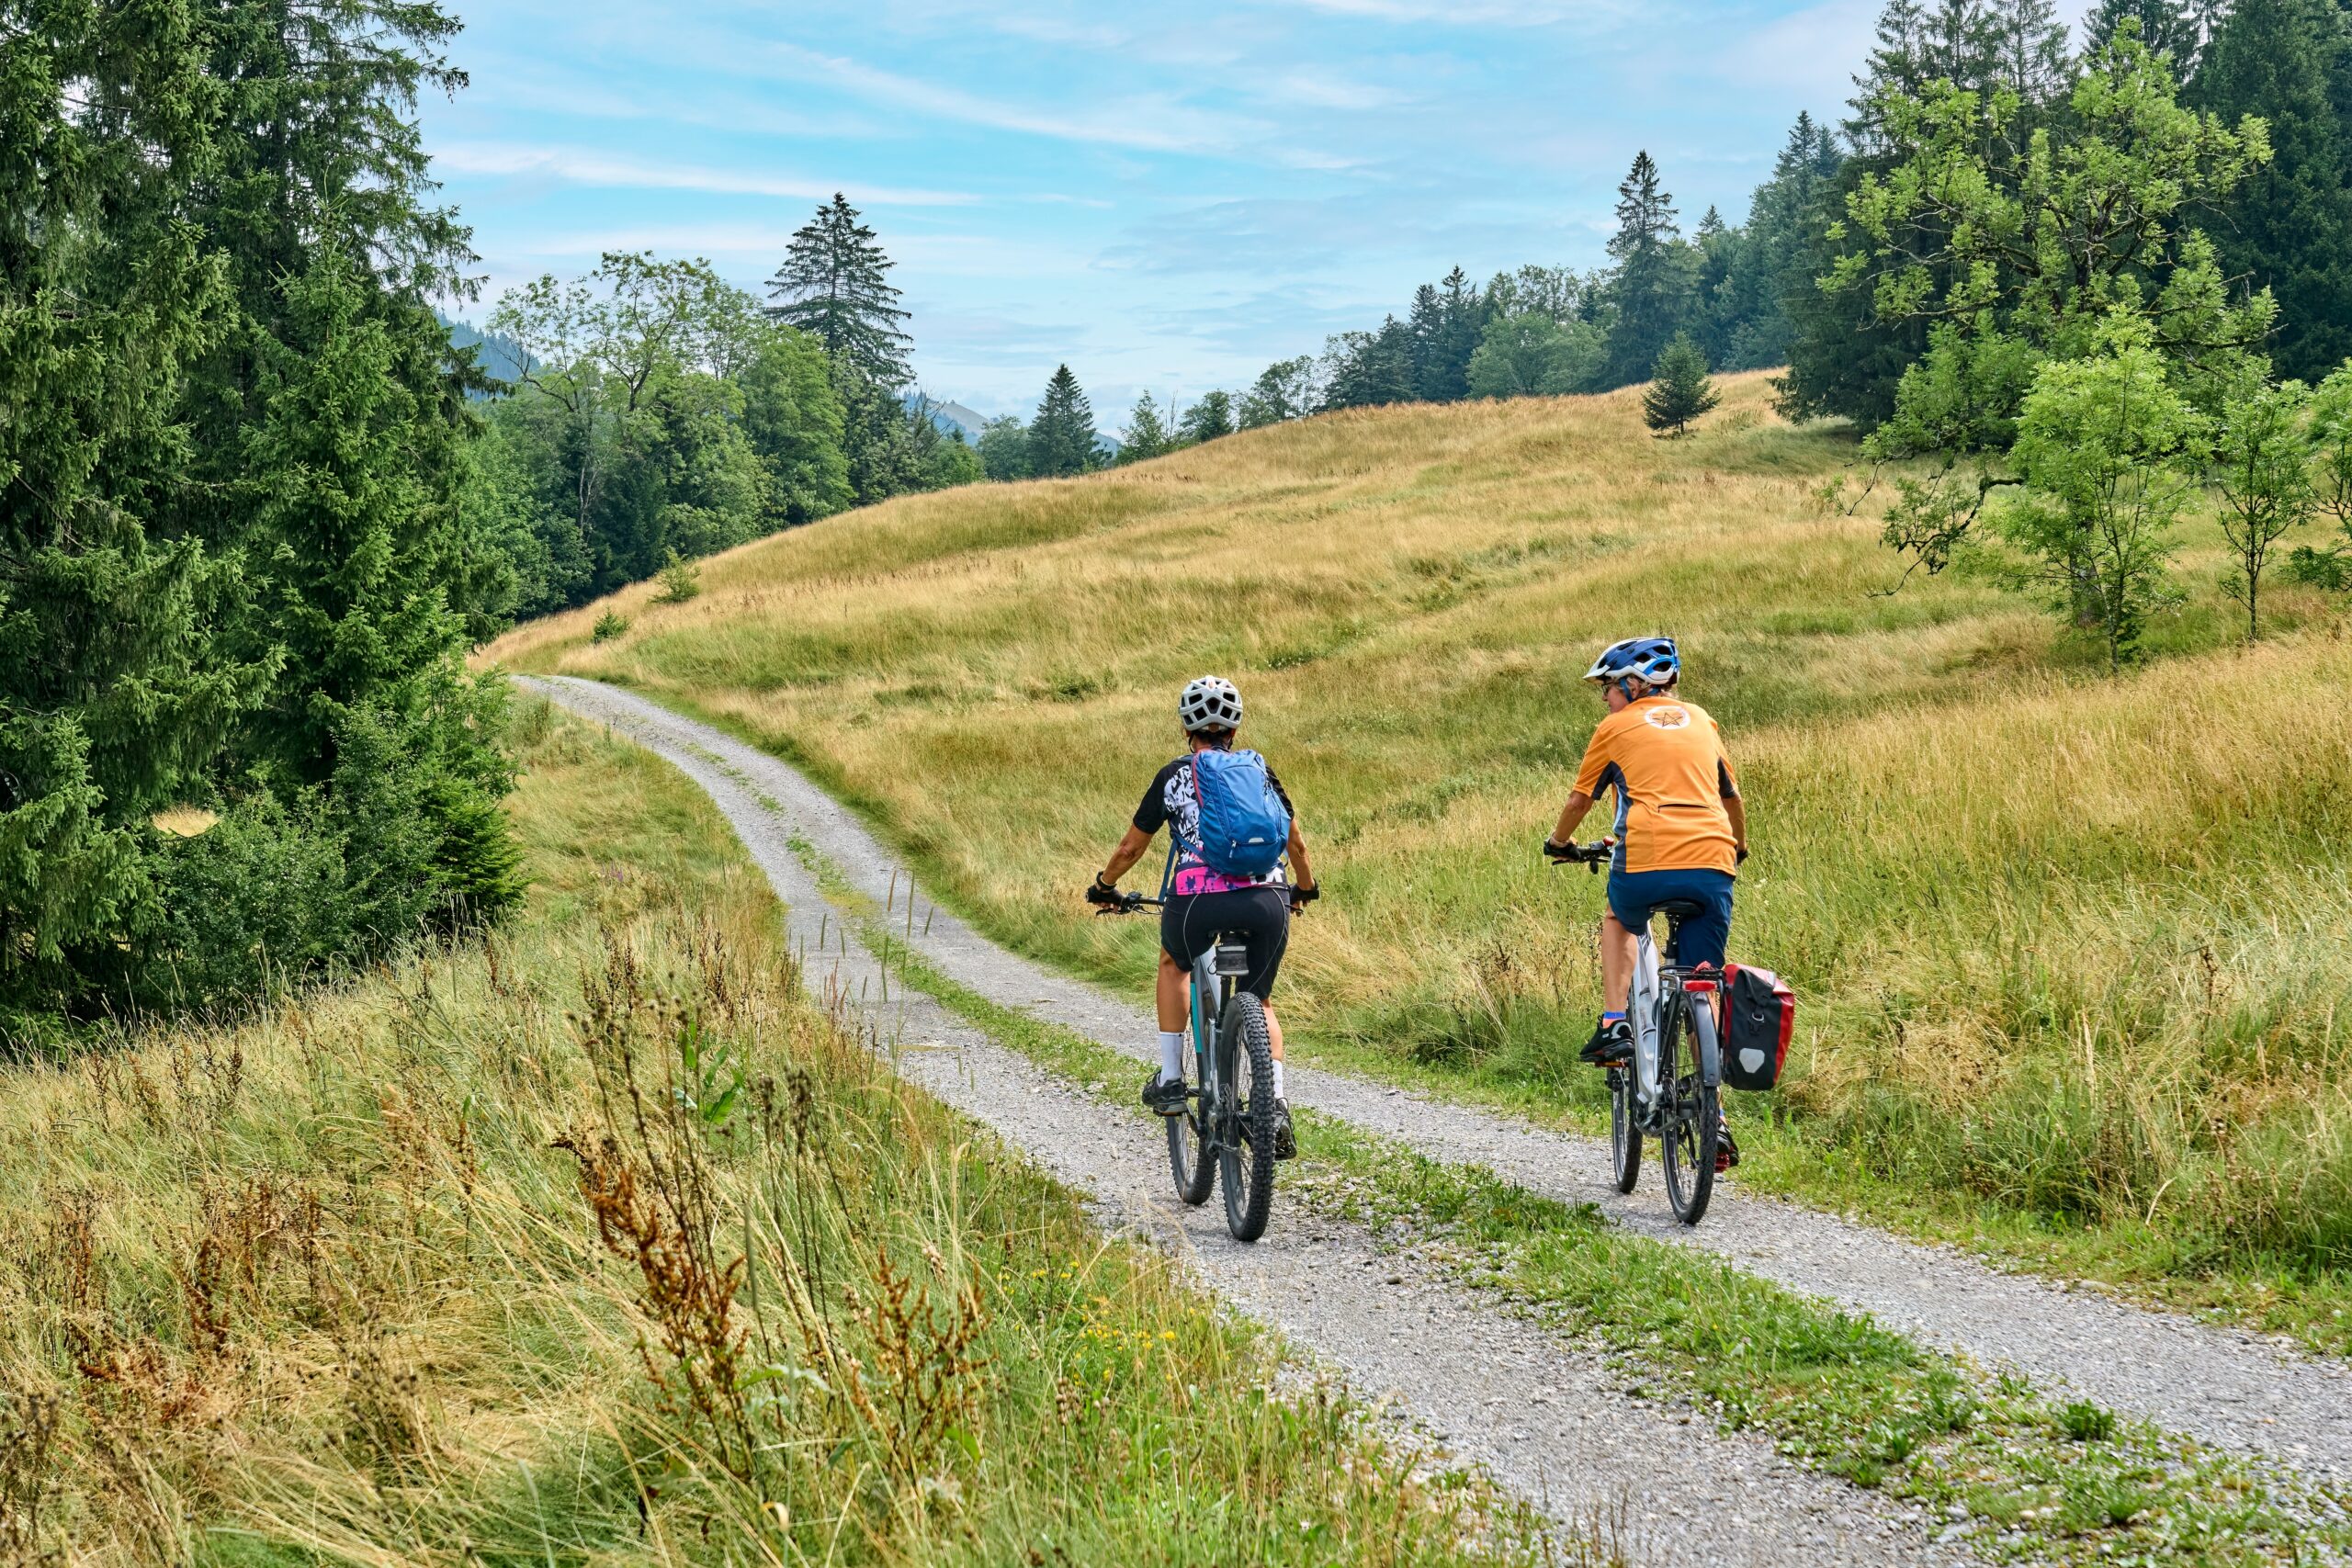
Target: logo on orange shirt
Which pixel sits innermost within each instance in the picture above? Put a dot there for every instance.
(1668, 718)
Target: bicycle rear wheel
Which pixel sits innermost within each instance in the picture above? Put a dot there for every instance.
(1192, 1153)
(1244, 1057)
(1624, 1134)
(1692, 1115)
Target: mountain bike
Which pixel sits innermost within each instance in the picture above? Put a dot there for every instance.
(1227, 1122)
(1674, 1090)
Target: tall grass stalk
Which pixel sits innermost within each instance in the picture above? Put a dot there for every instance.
(602, 1244)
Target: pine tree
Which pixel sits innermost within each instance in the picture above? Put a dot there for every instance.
(1369, 369)
(2168, 27)
(1146, 434)
(1061, 438)
(832, 286)
(2026, 47)
(1447, 320)
(2289, 226)
(1679, 389)
(1656, 282)
(113, 695)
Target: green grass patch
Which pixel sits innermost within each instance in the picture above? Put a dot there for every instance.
(2026, 1480)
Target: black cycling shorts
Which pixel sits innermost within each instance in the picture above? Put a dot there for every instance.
(1191, 923)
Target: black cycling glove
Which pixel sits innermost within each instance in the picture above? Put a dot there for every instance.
(1101, 892)
(1300, 896)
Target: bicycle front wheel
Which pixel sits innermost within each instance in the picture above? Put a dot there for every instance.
(1692, 1115)
(1244, 1057)
(1192, 1151)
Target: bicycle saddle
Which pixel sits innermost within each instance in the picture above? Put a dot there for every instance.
(1682, 908)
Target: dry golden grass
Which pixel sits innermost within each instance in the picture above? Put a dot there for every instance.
(439, 1267)
(2071, 947)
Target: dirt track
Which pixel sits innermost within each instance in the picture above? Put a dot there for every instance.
(1546, 1417)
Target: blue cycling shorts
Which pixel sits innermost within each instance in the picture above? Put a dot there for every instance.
(1634, 895)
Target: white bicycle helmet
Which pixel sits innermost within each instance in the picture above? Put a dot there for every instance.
(1651, 661)
(1209, 702)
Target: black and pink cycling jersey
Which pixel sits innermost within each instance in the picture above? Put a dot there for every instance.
(1170, 803)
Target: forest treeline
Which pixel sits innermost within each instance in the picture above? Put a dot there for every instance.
(1779, 289)
(255, 505)
(239, 565)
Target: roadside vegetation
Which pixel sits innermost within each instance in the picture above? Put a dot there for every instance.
(2021, 1476)
(600, 1243)
(2069, 943)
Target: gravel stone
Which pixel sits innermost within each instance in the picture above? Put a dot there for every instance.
(2255, 1394)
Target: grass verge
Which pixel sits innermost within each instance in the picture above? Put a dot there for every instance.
(2022, 1477)
(597, 1244)
(2070, 947)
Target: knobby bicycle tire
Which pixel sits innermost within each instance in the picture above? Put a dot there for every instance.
(1192, 1151)
(1624, 1134)
(1245, 1055)
(1694, 1116)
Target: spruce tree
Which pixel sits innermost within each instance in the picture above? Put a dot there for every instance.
(1146, 434)
(2167, 27)
(1679, 389)
(1369, 369)
(113, 695)
(1447, 321)
(1657, 281)
(2289, 227)
(1061, 438)
(833, 287)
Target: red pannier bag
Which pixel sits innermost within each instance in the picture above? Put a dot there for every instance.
(1759, 1013)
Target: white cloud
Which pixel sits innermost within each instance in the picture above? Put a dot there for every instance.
(1585, 16)
(1149, 123)
(1322, 91)
(581, 165)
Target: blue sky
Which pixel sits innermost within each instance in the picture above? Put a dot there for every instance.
(1165, 196)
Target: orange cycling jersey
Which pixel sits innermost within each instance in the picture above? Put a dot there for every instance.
(1665, 758)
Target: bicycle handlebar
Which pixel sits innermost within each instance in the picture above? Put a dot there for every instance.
(1592, 856)
(1127, 904)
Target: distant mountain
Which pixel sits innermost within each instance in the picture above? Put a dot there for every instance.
(500, 358)
(954, 416)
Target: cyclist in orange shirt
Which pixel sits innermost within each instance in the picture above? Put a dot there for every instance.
(1682, 829)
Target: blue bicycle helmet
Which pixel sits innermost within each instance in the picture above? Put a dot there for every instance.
(1649, 661)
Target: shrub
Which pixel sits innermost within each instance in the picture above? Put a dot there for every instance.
(681, 580)
(609, 624)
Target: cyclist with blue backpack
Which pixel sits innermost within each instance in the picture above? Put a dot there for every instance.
(1231, 828)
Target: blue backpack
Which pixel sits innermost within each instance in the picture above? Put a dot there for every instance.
(1245, 827)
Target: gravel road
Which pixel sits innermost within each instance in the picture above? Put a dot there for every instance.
(1547, 1418)
(2249, 1392)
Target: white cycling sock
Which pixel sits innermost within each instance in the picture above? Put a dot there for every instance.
(1278, 1079)
(1171, 1054)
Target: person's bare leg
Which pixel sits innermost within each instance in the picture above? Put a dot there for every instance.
(1274, 1031)
(1173, 997)
(1618, 948)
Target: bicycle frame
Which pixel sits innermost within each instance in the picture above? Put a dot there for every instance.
(1656, 1008)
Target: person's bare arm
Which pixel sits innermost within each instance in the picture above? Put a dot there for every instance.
(1300, 869)
(1738, 809)
(1123, 859)
(1573, 814)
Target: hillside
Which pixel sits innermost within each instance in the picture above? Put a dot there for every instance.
(2071, 947)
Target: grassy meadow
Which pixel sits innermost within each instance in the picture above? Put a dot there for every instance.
(601, 1245)
(2072, 950)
